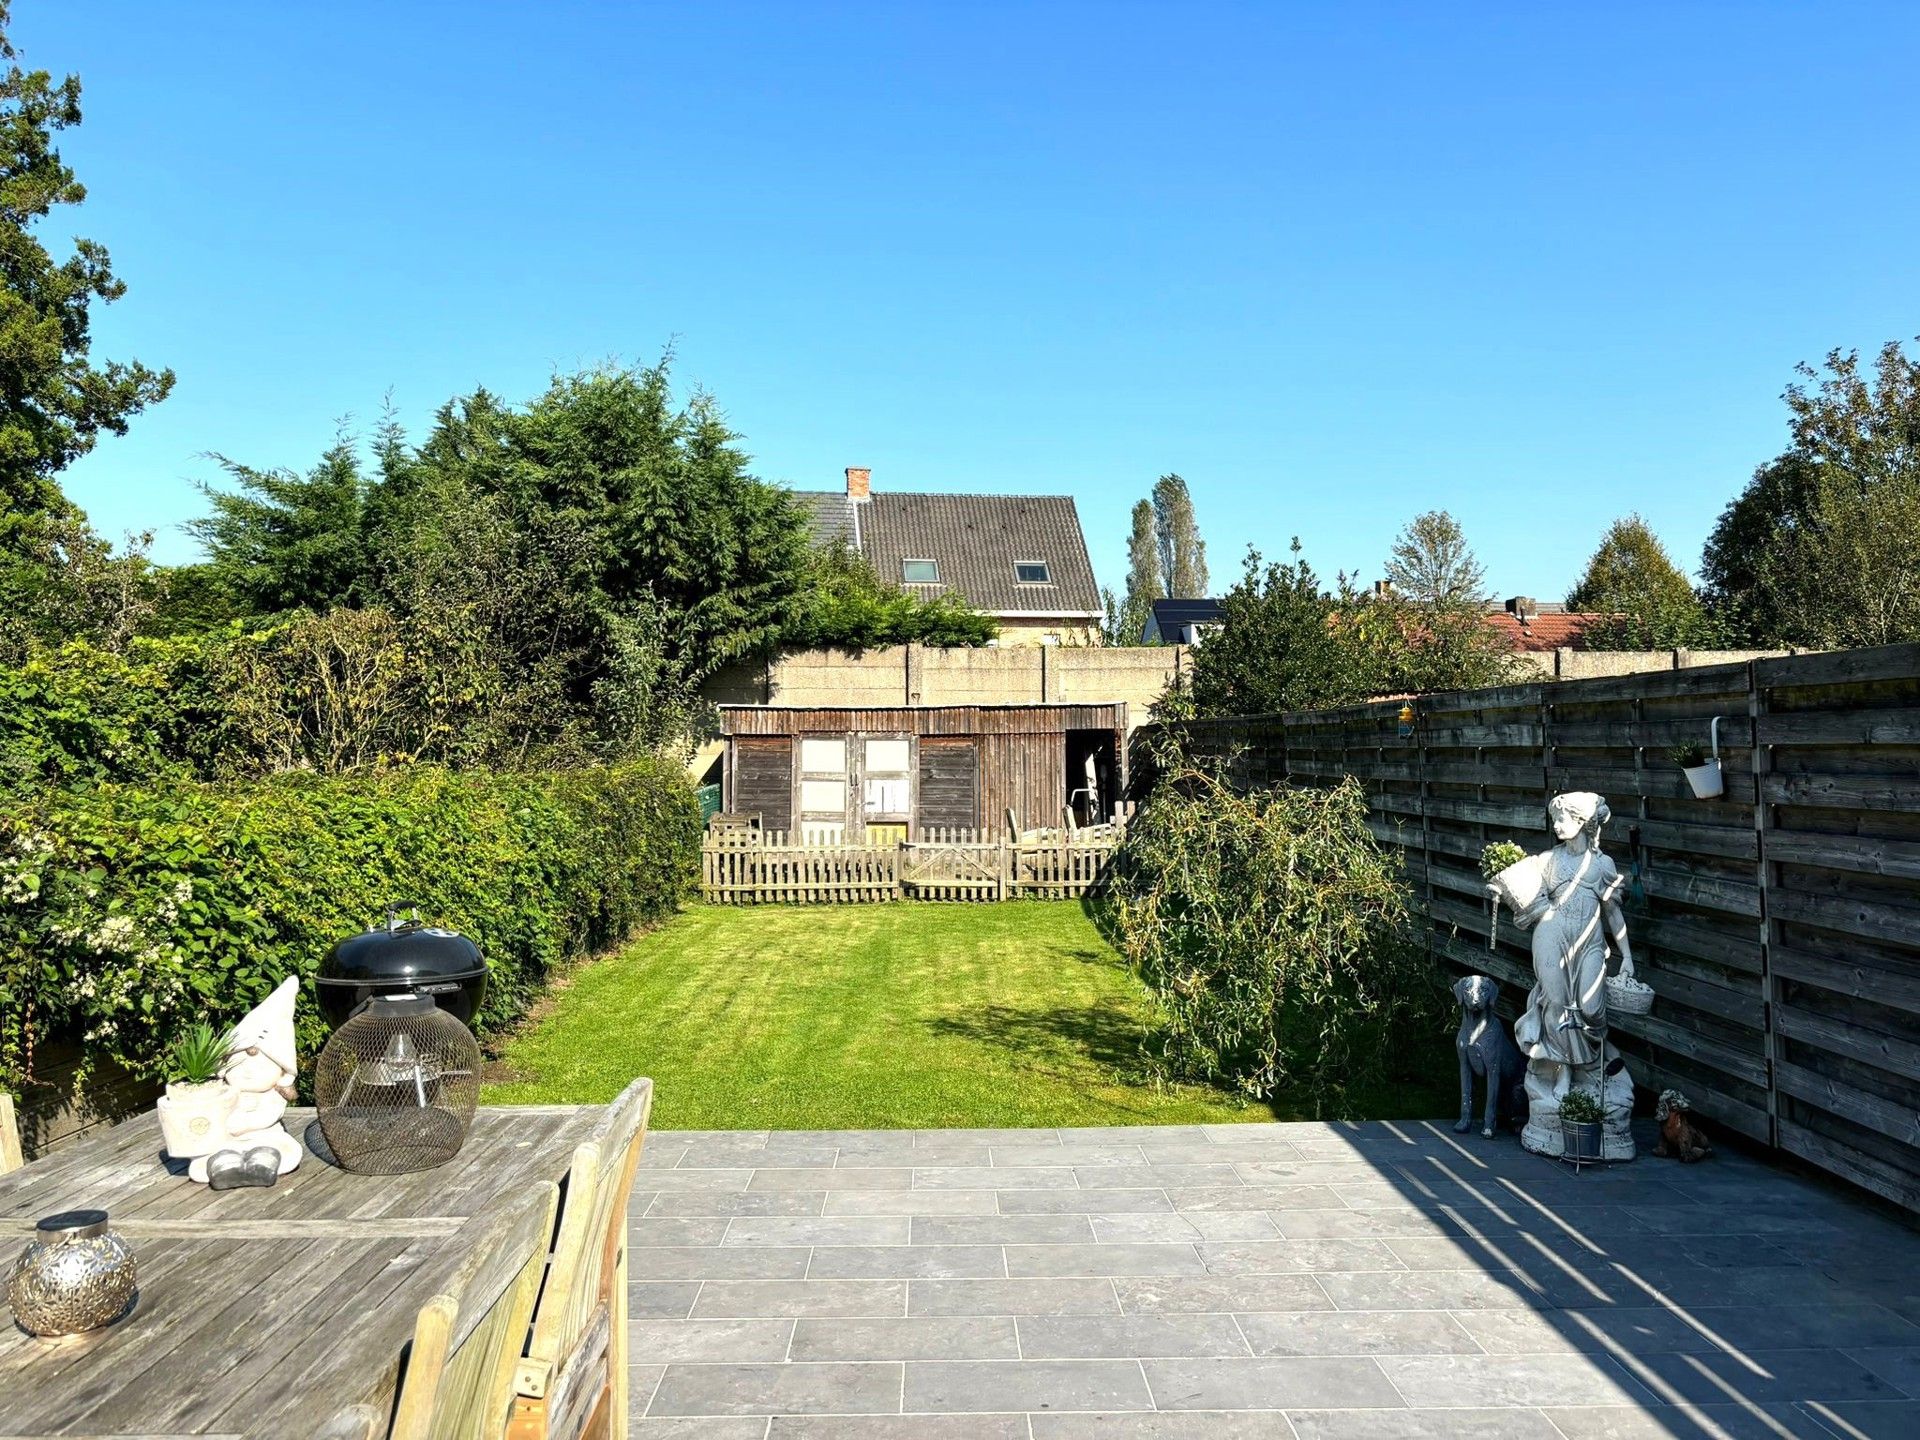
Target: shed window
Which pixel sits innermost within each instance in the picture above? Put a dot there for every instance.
(823, 757)
(889, 788)
(919, 572)
(1032, 572)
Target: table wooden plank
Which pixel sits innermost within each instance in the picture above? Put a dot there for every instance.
(261, 1312)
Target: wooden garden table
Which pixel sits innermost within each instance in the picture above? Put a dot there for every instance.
(261, 1312)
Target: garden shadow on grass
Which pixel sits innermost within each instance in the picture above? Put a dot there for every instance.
(1106, 1034)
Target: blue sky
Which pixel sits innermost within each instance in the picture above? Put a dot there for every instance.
(1539, 265)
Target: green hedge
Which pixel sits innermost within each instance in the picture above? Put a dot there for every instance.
(127, 913)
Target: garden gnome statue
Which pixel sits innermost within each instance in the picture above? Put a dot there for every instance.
(259, 1069)
(1562, 1032)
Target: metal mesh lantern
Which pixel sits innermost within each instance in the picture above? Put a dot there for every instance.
(396, 1086)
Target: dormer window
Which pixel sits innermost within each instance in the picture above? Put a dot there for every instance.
(1032, 572)
(919, 572)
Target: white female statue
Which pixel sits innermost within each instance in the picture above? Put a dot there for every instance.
(1563, 1030)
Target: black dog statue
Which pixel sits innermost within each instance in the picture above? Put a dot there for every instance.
(1486, 1048)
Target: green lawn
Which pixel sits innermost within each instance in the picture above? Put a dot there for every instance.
(867, 1016)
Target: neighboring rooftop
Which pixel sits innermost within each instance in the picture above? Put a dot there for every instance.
(1533, 626)
(1010, 555)
(1181, 622)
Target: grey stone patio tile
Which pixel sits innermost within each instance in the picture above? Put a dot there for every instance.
(1363, 1224)
(1195, 1225)
(1002, 1229)
(663, 1181)
(1209, 1152)
(1268, 1384)
(1433, 1381)
(712, 1262)
(656, 1154)
(1506, 1251)
(1080, 1152)
(819, 1230)
(1012, 1297)
(898, 1427)
(1103, 1260)
(969, 1337)
(1426, 1290)
(834, 1389)
(729, 1299)
(752, 1153)
(906, 1262)
(1729, 1421)
(987, 1136)
(1083, 1202)
(671, 1300)
(1707, 1378)
(1599, 1331)
(911, 1202)
(1254, 1197)
(731, 1203)
(1867, 1419)
(646, 1233)
(688, 1137)
(1898, 1365)
(1113, 1337)
(1422, 1425)
(987, 1386)
(1134, 1177)
(1216, 1425)
(1223, 1294)
(1798, 1327)
(1278, 1257)
(667, 1341)
(1354, 1332)
(698, 1427)
(1100, 1134)
(1790, 1221)
(891, 1177)
(986, 1177)
(1310, 1172)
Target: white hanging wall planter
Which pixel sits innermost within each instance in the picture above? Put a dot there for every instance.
(1706, 780)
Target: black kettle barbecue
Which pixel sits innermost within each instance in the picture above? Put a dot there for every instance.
(402, 956)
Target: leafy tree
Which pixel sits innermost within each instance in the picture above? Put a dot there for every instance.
(283, 541)
(55, 398)
(844, 604)
(1632, 581)
(1289, 644)
(1852, 580)
(1127, 622)
(1431, 563)
(1750, 571)
(1183, 554)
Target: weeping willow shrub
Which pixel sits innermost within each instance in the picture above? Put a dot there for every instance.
(1276, 932)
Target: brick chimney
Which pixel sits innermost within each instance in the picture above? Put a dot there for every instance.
(859, 483)
(1523, 607)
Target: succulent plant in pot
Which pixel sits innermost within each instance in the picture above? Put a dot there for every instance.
(1580, 1117)
(193, 1110)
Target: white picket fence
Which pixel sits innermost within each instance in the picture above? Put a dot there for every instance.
(771, 867)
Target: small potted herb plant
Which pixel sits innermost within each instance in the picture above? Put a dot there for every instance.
(1580, 1116)
(193, 1111)
(1701, 768)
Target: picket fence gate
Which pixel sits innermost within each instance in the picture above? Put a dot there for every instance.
(772, 867)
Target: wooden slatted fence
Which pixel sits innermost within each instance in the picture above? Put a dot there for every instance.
(1778, 924)
(752, 867)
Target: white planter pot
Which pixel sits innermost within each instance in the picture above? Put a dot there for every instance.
(1705, 780)
(193, 1118)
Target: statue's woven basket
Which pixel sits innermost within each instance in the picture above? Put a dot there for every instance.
(1627, 998)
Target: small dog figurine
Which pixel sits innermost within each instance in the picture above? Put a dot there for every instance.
(1486, 1047)
(1680, 1138)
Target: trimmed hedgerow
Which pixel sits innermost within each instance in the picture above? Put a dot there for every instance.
(129, 913)
(1276, 932)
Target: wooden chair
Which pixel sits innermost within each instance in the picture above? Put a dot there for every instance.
(573, 1381)
(467, 1340)
(12, 1157)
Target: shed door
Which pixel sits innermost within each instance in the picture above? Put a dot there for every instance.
(949, 781)
(763, 779)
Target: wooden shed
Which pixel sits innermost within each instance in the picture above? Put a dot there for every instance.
(835, 776)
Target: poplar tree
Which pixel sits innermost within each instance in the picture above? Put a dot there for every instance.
(1183, 554)
(1432, 564)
